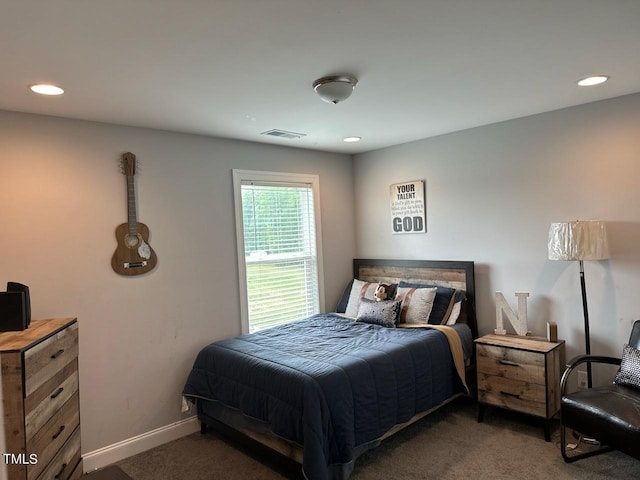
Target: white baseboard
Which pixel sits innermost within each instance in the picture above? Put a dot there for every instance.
(119, 451)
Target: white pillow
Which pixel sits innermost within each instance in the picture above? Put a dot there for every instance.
(416, 304)
(359, 290)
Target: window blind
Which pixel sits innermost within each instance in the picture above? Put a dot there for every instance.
(280, 253)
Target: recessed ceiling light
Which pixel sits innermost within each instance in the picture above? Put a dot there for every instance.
(46, 89)
(593, 80)
(351, 139)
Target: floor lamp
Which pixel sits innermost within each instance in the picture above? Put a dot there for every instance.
(580, 240)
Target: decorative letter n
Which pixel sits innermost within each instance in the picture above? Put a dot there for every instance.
(519, 322)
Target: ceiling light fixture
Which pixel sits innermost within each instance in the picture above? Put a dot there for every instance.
(593, 80)
(335, 89)
(46, 89)
(351, 139)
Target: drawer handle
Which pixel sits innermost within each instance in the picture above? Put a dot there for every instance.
(64, 465)
(507, 362)
(57, 392)
(57, 434)
(509, 394)
(57, 354)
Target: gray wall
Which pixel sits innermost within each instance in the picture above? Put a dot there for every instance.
(61, 198)
(491, 194)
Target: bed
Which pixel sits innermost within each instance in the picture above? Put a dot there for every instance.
(325, 389)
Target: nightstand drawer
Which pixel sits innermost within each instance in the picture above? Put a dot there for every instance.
(513, 394)
(42, 404)
(49, 356)
(52, 436)
(509, 363)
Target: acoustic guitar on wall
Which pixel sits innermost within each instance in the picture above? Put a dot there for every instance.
(134, 255)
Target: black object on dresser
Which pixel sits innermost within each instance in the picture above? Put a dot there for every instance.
(15, 308)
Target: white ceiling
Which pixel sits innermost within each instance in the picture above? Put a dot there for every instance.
(236, 68)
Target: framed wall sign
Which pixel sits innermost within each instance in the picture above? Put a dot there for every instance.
(408, 207)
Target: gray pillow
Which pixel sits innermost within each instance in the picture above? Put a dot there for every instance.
(629, 373)
(384, 313)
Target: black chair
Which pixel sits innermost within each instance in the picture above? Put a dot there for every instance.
(609, 414)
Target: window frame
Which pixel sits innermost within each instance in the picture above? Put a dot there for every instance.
(274, 178)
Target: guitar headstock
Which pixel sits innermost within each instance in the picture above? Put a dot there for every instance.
(128, 164)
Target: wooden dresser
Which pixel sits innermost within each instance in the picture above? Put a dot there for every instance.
(520, 373)
(41, 401)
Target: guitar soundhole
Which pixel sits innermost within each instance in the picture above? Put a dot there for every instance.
(132, 241)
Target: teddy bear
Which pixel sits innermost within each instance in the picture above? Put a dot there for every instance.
(382, 292)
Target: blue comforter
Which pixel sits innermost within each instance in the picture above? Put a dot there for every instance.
(328, 383)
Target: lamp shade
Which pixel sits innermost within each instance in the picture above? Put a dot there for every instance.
(579, 240)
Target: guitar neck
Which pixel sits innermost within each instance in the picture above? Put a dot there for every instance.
(131, 206)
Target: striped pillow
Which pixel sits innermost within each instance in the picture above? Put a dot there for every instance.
(417, 304)
(359, 290)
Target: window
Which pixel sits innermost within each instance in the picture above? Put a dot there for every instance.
(277, 228)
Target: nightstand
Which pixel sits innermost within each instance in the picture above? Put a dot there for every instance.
(520, 373)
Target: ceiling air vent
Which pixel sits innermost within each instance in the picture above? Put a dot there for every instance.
(283, 134)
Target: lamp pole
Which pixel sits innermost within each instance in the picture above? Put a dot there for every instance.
(587, 340)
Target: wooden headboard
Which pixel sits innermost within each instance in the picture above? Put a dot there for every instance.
(452, 274)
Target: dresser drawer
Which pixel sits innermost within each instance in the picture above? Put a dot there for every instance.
(49, 356)
(78, 471)
(513, 364)
(64, 465)
(42, 404)
(53, 435)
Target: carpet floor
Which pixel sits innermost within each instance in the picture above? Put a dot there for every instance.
(448, 444)
(111, 472)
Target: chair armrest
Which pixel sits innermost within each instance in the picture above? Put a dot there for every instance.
(580, 359)
(575, 361)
